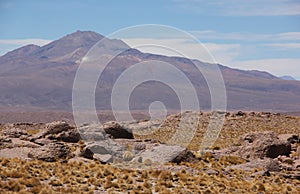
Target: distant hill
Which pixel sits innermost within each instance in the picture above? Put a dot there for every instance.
(287, 77)
(41, 78)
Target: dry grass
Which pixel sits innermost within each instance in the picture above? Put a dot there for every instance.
(35, 176)
(32, 176)
(234, 127)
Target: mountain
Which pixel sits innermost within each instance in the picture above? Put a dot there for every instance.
(287, 77)
(41, 78)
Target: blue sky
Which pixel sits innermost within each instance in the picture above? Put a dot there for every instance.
(257, 34)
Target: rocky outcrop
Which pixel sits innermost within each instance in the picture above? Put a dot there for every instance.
(60, 131)
(50, 152)
(115, 130)
(14, 132)
(263, 144)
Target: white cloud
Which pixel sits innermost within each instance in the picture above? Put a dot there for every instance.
(284, 46)
(22, 42)
(279, 67)
(213, 35)
(226, 54)
(208, 52)
(242, 8)
(7, 45)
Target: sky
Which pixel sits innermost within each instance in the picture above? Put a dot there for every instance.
(256, 34)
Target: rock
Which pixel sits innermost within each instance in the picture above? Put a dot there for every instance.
(142, 127)
(99, 148)
(117, 131)
(167, 153)
(262, 144)
(139, 146)
(4, 139)
(261, 173)
(291, 138)
(57, 127)
(104, 158)
(297, 163)
(240, 113)
(71, 135)
(60, 131)
(43, 141)
(108, 146)
(211, 172)
(92, 132)
(267, 164)
(50, 152)
(87, 153)
(298, 152)
(14, 132)
(92, 136)
(17, 152)
(185, 156)
(16, 142)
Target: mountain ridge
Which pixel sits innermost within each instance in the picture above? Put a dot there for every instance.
(42, 77)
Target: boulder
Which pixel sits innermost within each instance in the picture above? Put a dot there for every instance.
(57, 127)
(115, 130)
(50, 152)
(71, 135)
(105, 147)
(167, 153)
(58, 130)
(104, 158)
(262, 144)
(91, 132)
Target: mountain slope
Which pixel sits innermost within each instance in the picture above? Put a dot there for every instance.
(41, 78)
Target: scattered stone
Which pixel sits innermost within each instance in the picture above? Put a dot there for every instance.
(265, 164)
(139, 146)
(240, 113)
(14, 132)
(261, 173)
(212, 172)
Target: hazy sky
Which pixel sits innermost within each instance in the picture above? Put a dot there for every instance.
(256, 34)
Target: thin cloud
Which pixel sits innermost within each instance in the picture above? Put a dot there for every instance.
(242, 8)
(207, 52)
(213, 35)
(279, 67)
(284, 46)
(22, 42)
